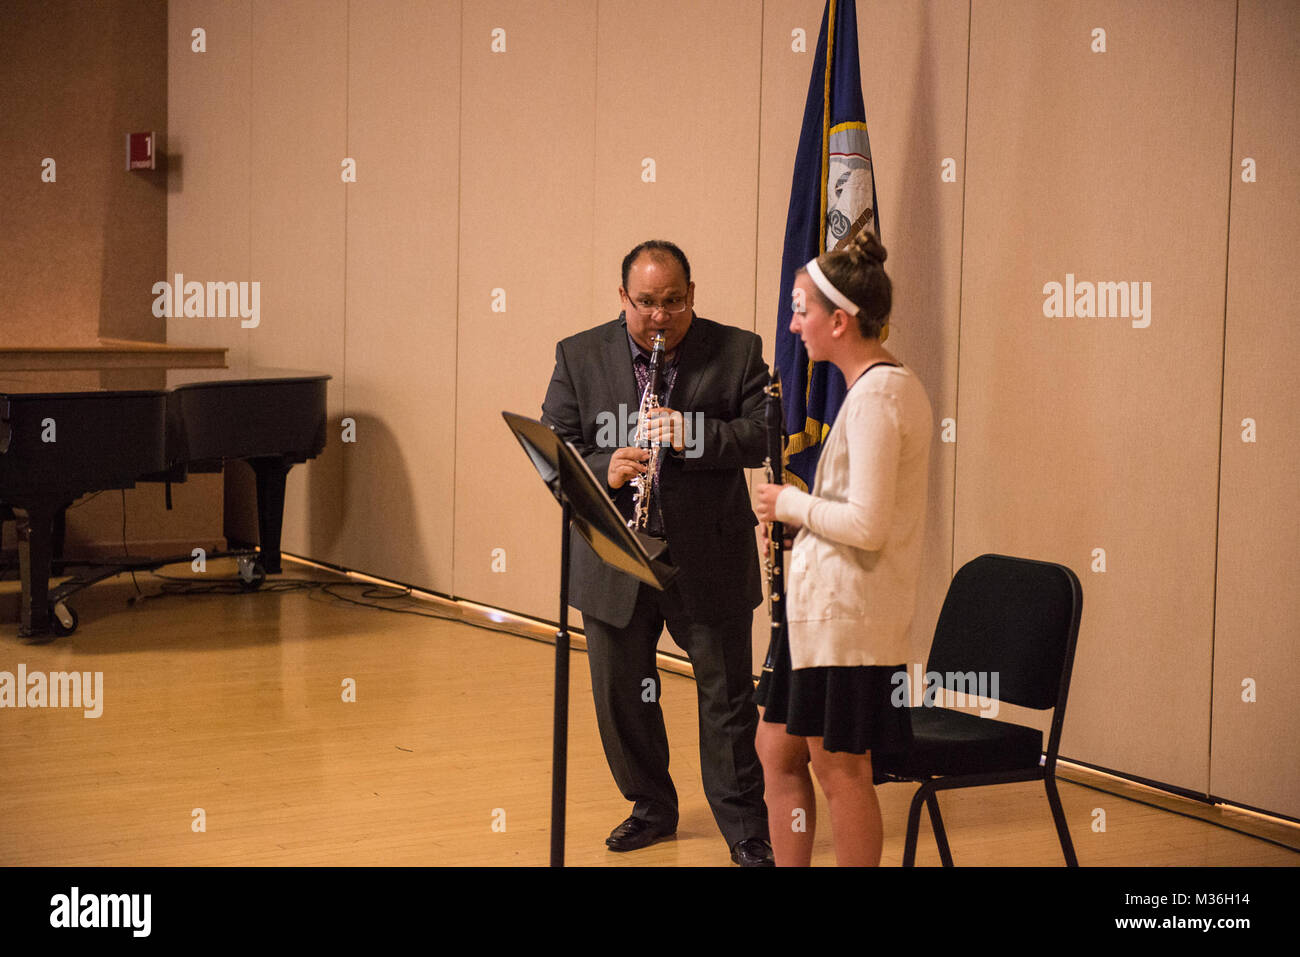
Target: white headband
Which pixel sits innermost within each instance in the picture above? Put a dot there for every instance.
(825, 285)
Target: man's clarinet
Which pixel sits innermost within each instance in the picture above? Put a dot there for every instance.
(774, 561)
(649, 402)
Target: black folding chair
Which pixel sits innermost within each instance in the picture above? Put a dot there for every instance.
(1018, 619)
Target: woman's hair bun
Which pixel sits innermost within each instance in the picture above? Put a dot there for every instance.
(865, 250)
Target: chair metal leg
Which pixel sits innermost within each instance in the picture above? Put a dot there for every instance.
(936, 822)
(1058, 813)
(913, 827)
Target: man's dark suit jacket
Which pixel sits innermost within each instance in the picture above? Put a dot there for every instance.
(707, 517)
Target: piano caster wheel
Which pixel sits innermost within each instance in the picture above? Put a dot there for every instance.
(63, 619)
(251, 574)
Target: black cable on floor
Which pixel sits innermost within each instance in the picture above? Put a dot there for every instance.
(376, 594)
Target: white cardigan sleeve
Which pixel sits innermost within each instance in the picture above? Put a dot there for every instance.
(856, 507)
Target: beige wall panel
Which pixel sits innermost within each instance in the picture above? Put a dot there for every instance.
(1253, 755)
(78, 255)
(525, 228)
(784, 90)
(208, 155)
(1078, 434)
(679, 84)
(298, 141)
(403, 123)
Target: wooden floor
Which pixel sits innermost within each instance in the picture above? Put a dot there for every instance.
(233, 704)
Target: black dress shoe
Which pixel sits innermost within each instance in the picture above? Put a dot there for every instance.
(633, 834)
(752, 852)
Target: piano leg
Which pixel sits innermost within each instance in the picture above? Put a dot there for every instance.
(35, 527)
(271, 472)
(60, 532)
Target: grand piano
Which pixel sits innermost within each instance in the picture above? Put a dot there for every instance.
(56, 446)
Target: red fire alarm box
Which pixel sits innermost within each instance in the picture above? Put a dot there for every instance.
(140, 151)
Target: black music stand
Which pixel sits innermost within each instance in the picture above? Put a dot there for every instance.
(587, 509)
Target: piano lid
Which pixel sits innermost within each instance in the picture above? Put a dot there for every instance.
(248, 374)
(69, 385)
(126, 382)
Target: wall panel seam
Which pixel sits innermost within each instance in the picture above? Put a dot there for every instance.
(1223, 384)
(758, 174)
(347, 151)
(961, 273)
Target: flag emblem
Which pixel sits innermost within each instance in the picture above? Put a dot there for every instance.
(850, 187)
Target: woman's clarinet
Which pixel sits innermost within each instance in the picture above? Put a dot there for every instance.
(649, 402)
(774, 561)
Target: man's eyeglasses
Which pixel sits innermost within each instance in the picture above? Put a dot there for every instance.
(672, 307)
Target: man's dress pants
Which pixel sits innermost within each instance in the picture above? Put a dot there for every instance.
(632, 724)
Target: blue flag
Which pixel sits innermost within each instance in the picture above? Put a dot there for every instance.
(832, 198)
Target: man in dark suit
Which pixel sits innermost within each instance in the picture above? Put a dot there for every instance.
(711, 425)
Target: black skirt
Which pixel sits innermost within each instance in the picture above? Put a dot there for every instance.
(852, 709)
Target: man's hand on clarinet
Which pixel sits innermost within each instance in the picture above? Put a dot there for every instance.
(666, 426)
(626, 464)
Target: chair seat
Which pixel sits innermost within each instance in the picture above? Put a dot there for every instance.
(952, 743)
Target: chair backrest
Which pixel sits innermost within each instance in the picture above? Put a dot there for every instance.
(1016, 617)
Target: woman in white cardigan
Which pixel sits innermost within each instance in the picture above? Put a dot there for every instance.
(834, 695)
